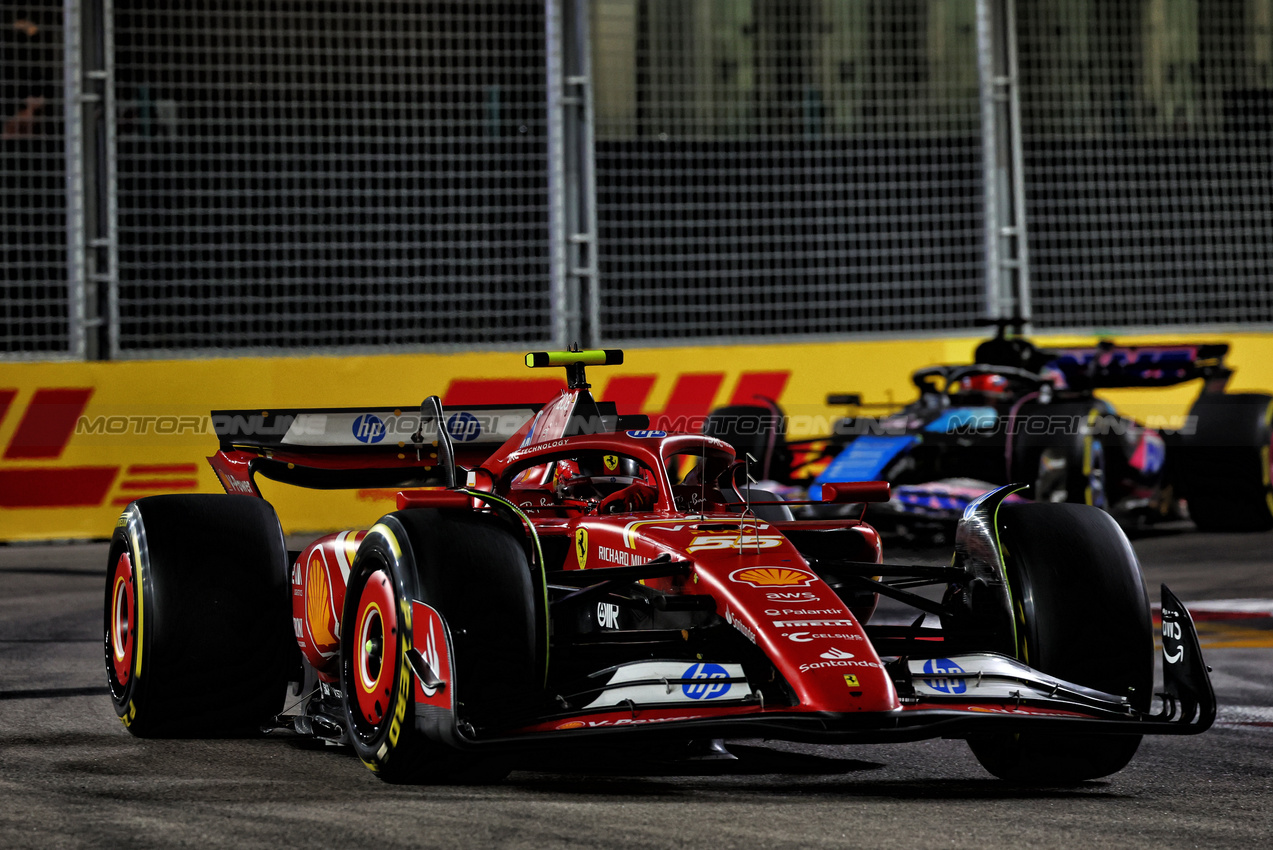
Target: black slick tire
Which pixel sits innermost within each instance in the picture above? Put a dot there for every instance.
(473, 571)
(198, 633)
(1082, 615)
(1224, 464)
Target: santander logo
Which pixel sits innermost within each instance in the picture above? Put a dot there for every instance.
(836, 654)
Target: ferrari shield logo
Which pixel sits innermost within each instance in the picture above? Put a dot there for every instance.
(611, 462)
(581, 547)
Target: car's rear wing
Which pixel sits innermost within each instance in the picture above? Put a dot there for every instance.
(404, 446)
(355, 448)
(357, 428)
(1109, 366)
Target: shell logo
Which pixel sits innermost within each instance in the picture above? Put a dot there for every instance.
(318, 608)
(572, 724)
(772, 577)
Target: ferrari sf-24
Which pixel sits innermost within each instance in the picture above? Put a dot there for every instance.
(560, 575)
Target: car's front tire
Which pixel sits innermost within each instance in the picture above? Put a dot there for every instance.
(1082, 615)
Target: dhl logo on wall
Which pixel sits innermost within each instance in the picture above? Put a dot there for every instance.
(31, 478)
(81, 440)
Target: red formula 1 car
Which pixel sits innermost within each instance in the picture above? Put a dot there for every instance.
(560, 575)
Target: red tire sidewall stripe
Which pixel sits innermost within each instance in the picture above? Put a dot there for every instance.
(375, 599)
(123, 589)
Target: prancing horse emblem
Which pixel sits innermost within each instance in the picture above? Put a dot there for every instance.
(581, 547)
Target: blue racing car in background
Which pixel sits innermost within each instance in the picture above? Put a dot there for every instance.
(1029, 415)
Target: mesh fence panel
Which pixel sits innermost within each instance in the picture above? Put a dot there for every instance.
(786, 167)
(1149, 169)
(34, 302)
(296, 175)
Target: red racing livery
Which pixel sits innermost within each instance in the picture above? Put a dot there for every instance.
(561, 573)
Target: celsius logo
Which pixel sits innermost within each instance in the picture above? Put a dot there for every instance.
(950, 676)
(368, 428)
(836, 654)
(710, 681)
(464, 427)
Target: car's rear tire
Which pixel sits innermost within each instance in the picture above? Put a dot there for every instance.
(474, 573)
(198, 633)
(1082, 615)
(1224, 464)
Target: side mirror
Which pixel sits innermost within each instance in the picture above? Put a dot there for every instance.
(843, 492)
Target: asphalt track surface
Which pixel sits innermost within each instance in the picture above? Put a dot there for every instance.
(71, 776)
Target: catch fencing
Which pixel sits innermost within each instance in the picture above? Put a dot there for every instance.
(1148, 140)
(36, 305)
(217, 176)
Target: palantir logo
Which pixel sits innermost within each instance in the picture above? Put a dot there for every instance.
(369, 428)
(950, 676)
(710, 681)
(463, 426)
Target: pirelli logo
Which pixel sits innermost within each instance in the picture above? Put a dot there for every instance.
(792, 624)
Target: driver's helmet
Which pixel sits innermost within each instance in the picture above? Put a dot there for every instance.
(592, 475)
(986, 385)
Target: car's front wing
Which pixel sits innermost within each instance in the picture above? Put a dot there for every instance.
(949, 697)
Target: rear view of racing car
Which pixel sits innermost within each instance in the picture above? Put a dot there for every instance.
(563, 576)
(1019, 413)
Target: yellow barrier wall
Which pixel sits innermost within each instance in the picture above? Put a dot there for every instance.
(82, 439)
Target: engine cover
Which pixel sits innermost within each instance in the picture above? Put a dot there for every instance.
(318, 597)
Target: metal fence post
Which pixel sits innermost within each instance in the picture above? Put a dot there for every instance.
(1006, 248)
(581, 206)
(104, 240)
(76, 268)
(90, 188)
(565, 315)
(572, 199)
